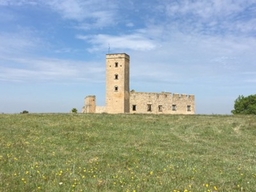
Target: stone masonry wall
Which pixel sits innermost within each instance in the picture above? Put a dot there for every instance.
(100, 109)
(89, 104)
(117, 83)
(119, 98)
(161, 103)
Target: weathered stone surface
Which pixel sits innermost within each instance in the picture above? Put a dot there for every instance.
(89, 104)
(117, 83)
(119, 98)
(161, 103)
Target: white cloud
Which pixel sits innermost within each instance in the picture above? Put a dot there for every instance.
(47, 69)
(136, 41)
(205, 9)
(70, 9)
(18, 43)
(129, 24)
(17, 2)
(213, 16)
(90, 13)
(199, 60)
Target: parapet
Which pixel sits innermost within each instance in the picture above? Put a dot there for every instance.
(90, 96)
(183, 96)
(117, 55)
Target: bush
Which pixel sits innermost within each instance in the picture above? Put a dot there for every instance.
(245, 105)
(24, 112)
(74, 110)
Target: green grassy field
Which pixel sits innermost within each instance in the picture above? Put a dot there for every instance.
(101, 152)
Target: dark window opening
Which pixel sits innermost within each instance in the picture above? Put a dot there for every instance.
(188, 107)
(116, 76)
(149, 107)
(116, 64)
(160, 108)
(174, 107)
(134, 107)
(116, 88)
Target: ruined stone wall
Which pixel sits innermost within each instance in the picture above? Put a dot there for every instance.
(161, 103)
(89, 104)
(185, 104)
(100, 109)
(119, 99)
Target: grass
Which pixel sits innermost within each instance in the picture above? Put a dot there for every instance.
(101, 152)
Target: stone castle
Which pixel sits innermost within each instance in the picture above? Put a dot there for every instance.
(119, 98)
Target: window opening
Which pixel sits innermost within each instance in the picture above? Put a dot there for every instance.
(134, 107)
(188, 107)
(149, 107)
(174, 107)
(116, 76)
(116, 64)
(116, 88)
(160, 108)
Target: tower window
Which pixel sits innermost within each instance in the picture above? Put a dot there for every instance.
(149, 107)
(160, 108)
(134, 107)
(116, 76)
(116, 88)
(188, 107)
(174, 108)
(116, 64)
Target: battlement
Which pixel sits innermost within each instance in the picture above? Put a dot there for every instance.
(182, 96)
(165, 94)
(90, 96)
(117, 55)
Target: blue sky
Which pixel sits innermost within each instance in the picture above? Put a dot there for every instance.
(52, 52)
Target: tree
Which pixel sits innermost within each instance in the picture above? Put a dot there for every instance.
(245, 105)
(74, 110)
(24, 112)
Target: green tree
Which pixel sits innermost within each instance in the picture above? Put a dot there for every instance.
(245, 105)
(24, 112)
(74, 110)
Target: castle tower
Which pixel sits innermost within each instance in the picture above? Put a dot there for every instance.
(117, 83)
(89, 104)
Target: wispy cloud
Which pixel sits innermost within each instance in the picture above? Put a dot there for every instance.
(47, 69)
(89, 13)
(213, 16)
(135, 41)
(17, 2)
(17, 43)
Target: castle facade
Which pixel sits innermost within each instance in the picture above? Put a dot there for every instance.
(119, 98)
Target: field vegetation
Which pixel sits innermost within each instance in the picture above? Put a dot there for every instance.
(102, 152)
